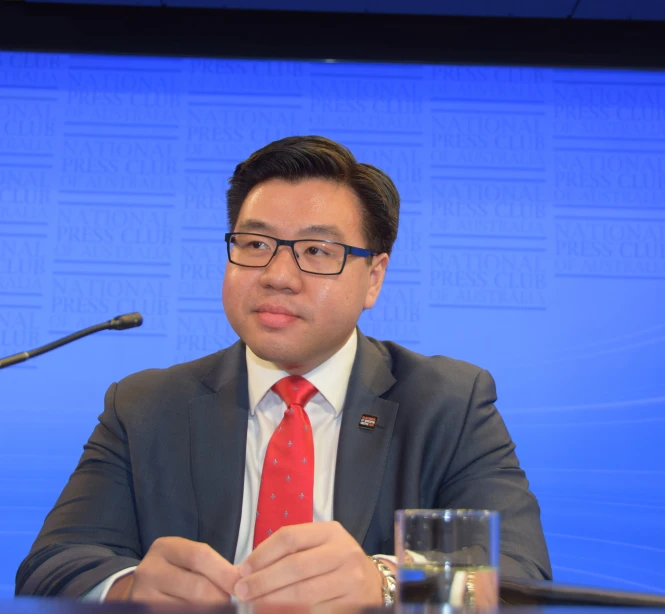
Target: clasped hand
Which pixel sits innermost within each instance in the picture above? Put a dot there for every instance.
(308, 564)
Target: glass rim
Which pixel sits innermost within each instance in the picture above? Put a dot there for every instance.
(446, 514)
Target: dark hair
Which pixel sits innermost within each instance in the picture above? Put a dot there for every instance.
(315, 157)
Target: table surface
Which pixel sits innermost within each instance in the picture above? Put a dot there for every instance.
(32, 605)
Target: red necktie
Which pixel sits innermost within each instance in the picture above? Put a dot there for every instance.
(287, 482)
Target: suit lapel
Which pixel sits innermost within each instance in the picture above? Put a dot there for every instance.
(218, 427)
(362, 453)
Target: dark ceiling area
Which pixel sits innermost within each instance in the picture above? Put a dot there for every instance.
(588, 33)
(551, 9)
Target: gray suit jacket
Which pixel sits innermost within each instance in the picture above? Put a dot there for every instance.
(168, 458)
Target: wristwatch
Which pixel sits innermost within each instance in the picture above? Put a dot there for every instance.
(389, 586)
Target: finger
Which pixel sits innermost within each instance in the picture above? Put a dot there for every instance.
(146, 586)
(285, 541)
(338, 605)
(289, 570)
(201, 559)
(159, 579)
(201, 590)
(155, 596)
(309, 592)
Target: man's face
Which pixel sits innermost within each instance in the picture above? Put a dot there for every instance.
(294, 319)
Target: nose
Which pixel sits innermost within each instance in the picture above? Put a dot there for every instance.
(282, 272)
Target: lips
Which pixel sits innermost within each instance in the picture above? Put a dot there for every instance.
(277, 309)
(275, 316)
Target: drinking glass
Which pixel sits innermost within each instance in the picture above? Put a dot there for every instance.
(448, 558)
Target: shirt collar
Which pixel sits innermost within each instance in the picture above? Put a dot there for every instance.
(331, 377)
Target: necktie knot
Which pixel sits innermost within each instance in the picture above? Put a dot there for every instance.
(295, 390)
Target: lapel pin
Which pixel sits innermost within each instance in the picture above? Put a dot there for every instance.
(368, 422)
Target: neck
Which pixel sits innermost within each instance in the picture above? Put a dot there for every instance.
(305, 366)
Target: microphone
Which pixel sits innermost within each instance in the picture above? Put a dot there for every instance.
(128, 320)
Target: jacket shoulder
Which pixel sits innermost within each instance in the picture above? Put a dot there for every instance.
(160, 389)
(430, 375)
(407, 362)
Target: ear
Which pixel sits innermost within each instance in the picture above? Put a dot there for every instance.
(377, 272)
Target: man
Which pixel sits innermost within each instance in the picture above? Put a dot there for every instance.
(192, 486)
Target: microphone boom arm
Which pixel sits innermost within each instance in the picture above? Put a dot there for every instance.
(118, 323)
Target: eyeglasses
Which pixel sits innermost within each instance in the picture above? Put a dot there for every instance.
(311, 255)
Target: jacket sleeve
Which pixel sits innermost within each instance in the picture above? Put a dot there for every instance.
(92, 532)
(485, 474)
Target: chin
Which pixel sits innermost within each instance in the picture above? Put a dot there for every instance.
(272, 350)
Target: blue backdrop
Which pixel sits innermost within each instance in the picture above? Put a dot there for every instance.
(531, 242)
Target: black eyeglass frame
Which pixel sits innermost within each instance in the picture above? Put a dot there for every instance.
(348, 249)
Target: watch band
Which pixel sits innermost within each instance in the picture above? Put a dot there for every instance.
(389, 585)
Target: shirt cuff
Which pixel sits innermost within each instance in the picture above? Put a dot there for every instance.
(99, 592)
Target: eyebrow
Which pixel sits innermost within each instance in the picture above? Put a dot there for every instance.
(250, 224)
(329, 231)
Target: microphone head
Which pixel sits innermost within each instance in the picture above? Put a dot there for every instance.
(129, 320)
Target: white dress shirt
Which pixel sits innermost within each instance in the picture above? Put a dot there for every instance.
(266, 410)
